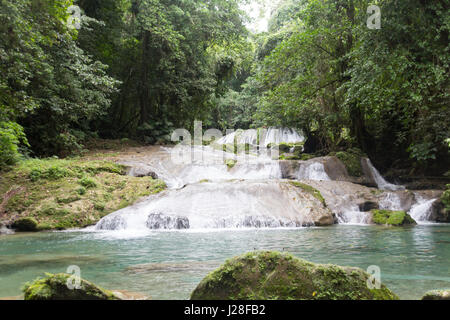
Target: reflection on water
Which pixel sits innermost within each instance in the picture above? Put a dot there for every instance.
(168, 265)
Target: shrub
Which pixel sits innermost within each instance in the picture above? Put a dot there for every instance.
(11, 136)
(87, 182)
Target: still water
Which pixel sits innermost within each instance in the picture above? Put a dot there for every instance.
(168, 265)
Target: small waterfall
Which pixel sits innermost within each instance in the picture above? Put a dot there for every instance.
(391, 201)
(353, 216)
(206, 163)
(379, 180)
(312, 171)
(421, 211)
(266, 136)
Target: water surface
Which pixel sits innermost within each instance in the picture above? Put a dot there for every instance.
(168, 265)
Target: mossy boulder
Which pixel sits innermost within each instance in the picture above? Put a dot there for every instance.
(54, 287)
(26, 224)
(392, 218)
(437, 295)
(266, 275)
(352, 161)
(230, 163)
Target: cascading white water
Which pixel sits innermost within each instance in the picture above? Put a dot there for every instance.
(266, 136)
(312, 171)
(204, 192)
(391, 201)
(421, 211)
(216, 205)
(208, 164)
(379, 180)
(353, 216)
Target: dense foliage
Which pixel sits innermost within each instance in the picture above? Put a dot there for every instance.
(140, 68)
(383, 90)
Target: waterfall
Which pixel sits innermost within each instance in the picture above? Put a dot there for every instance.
(421, 211)
(390, 201)
(212, 205)
(266, 136)
(379, 180)
(352, 215)
(312, 171)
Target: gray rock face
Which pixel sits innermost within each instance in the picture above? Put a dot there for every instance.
(161, 221)
(141, 171)
(111, 222)
(438, 212)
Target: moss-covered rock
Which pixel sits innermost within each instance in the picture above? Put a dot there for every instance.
(437, 295)
(352, 161)
(60, 194)
(274, 275)
(311, 190)
(393, 218)
(230, 163)
(25, 224)
(54, 287)
(445, 199)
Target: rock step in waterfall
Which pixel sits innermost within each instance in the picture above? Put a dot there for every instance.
(207, 193)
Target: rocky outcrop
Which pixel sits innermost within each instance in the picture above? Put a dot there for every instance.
(437, 295)
(439, 213)
(368, 206)
(141, 171)
(273, 275)
(161, 221)
(55, 287)
(333, 168)
(26, 224)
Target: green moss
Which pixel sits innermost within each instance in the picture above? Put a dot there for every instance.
(54, 287)
(230, 163)
(311, 190)
(68, 199)
(87, 182)
(352, 161)
(273, 275)
(99, 206)
(55, 199)
(393, 218)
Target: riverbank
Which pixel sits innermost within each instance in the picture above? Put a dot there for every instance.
(58, 194)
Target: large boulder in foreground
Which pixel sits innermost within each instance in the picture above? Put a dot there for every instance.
(437, 295)
(266, 275)
(54, 287)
